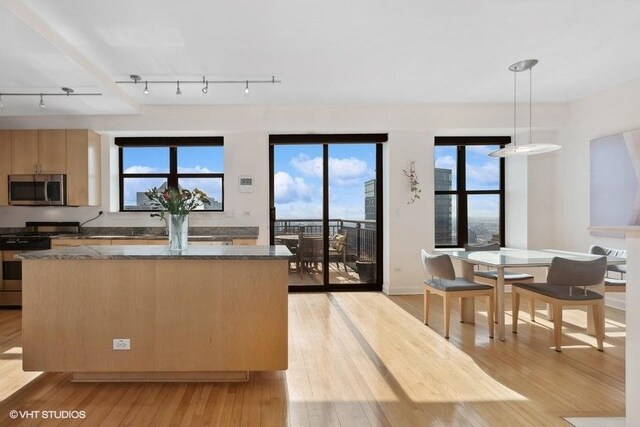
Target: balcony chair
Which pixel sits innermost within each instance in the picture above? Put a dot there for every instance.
(443, 281)
(565, 275)
(309, 252)
(612, 284)
(490, 277)
(338, 249)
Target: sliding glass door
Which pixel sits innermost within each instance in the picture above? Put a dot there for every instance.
(325, 206)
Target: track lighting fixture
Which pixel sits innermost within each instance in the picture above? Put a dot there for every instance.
(135, 79)
(67, 91)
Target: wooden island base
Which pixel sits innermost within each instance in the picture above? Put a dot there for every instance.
(212, 314)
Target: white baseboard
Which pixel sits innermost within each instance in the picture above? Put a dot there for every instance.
(406, 290)
(616, 301)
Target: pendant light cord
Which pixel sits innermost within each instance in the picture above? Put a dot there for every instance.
(530, 102)
(515, 142)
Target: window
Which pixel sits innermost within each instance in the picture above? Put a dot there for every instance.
(469, 191)
(182, 162)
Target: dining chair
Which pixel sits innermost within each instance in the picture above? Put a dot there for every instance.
(567, 282)
(490, 277)
(443, 281)
(612, 284)
(309, 252)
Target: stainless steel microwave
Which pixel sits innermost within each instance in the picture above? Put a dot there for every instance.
(38, 190)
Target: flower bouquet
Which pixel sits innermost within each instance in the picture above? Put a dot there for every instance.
(177, 204)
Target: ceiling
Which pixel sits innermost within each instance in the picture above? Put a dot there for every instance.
(326, 52)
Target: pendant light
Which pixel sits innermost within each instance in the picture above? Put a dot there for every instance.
(530, 148)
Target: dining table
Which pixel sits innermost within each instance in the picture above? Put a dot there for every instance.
(508, 258)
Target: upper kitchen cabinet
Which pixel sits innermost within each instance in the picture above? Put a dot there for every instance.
(52, 151)
(83, 168)
(38, 151)
(5, 166)
(72, 152)
(24, 152)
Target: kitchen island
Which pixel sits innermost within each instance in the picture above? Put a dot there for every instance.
(143, 313)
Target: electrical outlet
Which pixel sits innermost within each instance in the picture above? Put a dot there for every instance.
(121, 344)
(246, 213)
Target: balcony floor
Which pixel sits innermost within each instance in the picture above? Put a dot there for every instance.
(312, 276)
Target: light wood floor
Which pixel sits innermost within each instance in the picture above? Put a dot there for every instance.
(360, 360)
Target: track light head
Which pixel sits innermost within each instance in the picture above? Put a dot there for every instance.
(246, 88)
(136, 78)
(146, 88)
(41, 102)
(67, 90)
(205, 89)
(178, 91)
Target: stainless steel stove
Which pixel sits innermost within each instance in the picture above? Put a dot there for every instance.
(35, 237)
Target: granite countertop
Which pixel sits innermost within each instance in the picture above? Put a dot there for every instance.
(210, 234)
(137, 252)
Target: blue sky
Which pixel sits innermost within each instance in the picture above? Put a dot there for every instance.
(298, 180)
(156, 160)
(483, 173)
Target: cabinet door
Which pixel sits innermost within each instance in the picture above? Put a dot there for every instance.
(52, 151)
(5, 166)
(24, 151)
(83, 168)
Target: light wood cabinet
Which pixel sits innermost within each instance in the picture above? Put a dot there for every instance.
(52, 151)
(24, 152)
(83, 167)
(74, 152)
(38, 151)
(56, 243)
(5, 166)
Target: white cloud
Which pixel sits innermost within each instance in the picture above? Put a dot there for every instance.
(446, 162)
(195, 169)
(141, 169)
(288, 189)
(482, 149)
(487, 173)
(343, 172)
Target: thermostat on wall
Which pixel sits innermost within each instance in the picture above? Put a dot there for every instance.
(246, 184)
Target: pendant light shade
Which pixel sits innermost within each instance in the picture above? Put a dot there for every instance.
(530, 148)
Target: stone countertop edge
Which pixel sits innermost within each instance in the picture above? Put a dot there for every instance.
(140, 252)
(206, 238)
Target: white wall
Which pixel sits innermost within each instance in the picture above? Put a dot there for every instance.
(612, 111)
(411, 130)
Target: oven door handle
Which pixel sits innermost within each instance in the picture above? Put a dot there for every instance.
(46, 191)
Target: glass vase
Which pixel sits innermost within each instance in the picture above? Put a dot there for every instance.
(178, 232)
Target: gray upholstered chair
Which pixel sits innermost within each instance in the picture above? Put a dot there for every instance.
(442, 281)
(567, 283)
(490, 277)
(611, 283)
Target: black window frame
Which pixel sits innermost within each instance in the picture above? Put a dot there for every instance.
(172, 177)
(326, 140)
(461, 192)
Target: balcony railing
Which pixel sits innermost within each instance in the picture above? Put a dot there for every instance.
(361, 235)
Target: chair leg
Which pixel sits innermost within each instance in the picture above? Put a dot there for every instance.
(557, 325)
(490, 314)
(447, 315)
(598, 319)
(515, 309)
(426, 307)
(532, 309)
